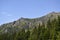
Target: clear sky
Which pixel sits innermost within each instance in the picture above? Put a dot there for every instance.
(11, 10)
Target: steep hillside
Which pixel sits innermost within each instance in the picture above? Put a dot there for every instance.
(27, 23)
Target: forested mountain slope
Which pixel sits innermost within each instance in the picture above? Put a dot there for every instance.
(43, 28)
(28, 23)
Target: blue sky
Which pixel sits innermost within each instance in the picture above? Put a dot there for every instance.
(11, 10)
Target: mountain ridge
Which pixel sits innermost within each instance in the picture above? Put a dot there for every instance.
(28, 23)
(51, 13)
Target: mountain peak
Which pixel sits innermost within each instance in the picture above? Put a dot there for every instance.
(24, 22)
(54, 12)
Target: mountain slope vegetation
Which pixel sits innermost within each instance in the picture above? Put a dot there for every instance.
(42, 28)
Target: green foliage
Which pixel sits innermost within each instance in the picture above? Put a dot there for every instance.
(51, 32)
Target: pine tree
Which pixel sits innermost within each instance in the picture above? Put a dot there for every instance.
(27, 34)
(33, 35)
